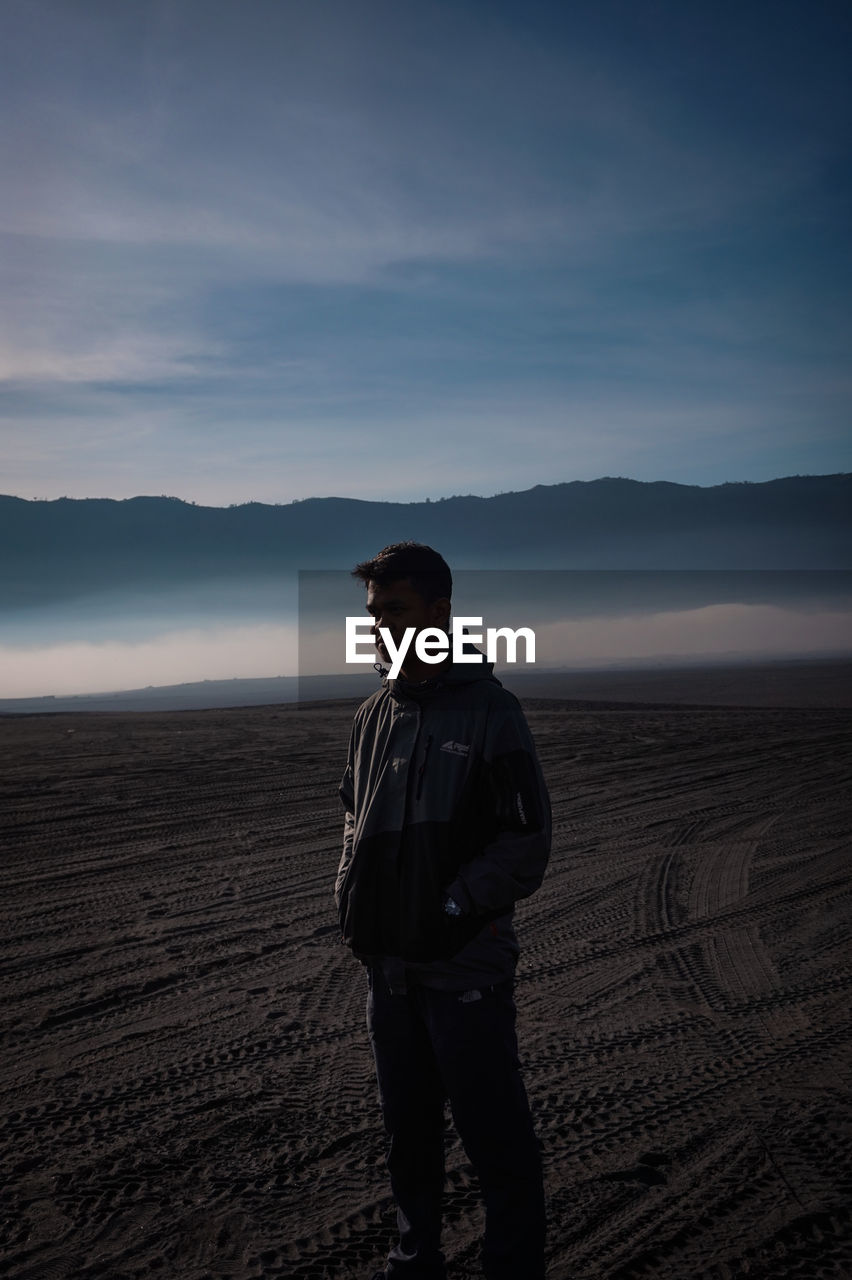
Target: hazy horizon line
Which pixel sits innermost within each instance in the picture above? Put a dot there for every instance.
(656, 663)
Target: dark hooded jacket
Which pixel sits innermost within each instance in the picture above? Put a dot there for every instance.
(444, 796)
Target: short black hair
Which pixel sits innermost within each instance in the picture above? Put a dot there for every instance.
(427, 571)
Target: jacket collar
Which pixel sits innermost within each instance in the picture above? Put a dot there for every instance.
(454, 673)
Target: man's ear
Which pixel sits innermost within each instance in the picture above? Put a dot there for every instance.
(440, 613)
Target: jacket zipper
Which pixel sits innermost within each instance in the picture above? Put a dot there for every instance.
(422, 769)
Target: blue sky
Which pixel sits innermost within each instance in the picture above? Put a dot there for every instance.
(285, 248)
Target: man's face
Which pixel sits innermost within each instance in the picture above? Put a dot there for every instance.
(396, 606)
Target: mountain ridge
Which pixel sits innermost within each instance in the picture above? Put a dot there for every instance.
(64, 548)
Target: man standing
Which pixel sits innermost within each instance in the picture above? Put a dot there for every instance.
(447, 825)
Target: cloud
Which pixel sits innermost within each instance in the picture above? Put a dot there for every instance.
(325, 150)
(231, 448)
(130, 356)
(411, 219)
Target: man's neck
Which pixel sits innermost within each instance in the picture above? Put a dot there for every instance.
(419, 672)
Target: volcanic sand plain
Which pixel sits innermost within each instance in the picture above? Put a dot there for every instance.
(186, 1086)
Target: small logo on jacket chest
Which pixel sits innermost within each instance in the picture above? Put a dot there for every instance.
(456, 748)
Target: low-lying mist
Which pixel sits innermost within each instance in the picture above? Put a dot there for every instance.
(582, 620)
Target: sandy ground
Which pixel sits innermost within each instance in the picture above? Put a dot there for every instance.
(186, 1088)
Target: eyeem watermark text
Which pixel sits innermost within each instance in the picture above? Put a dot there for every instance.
(433, 644)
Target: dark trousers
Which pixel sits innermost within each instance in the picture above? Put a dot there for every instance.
(430, 1046)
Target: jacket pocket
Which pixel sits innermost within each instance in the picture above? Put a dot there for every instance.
(430, 858)
(369, 896)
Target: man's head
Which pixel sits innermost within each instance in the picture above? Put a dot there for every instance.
(408, 585)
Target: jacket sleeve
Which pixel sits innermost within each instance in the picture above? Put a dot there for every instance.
(512, 864)
(346, 792)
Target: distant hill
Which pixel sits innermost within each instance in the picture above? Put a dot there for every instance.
(67, 548)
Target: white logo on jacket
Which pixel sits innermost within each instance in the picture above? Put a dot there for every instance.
(456, 748)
